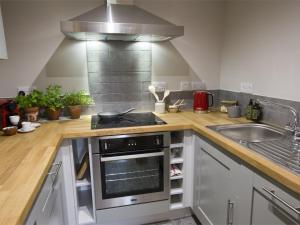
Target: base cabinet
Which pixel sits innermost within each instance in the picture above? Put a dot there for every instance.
(213, 188)
(222, 187)
(53, 212)
(49, 207)
(272, 205)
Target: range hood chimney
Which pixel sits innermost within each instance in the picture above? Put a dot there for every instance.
(120, 20)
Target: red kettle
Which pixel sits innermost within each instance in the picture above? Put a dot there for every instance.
(201, 101)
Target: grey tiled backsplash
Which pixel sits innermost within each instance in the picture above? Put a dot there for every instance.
(271, 114)
(119, 75)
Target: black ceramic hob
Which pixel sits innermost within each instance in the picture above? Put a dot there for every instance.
(128, 120)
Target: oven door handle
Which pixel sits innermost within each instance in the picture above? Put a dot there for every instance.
(137, 156)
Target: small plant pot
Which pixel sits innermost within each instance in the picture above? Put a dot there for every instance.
(53, 114)
(74, 111)
(32, 113)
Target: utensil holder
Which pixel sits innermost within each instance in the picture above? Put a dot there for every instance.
(160, 107)
(234, 111)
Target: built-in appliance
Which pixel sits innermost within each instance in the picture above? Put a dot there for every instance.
(201, 101)
(127, 120)
(131, 169)
(124, 22)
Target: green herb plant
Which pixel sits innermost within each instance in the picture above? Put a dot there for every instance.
(34, 99)
(77, 98)
(52, 97)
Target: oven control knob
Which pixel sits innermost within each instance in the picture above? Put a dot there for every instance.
(131, 143)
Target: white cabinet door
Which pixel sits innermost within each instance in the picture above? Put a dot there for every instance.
(49, 207)
(272, 205)
(53, 210)
(3, 50)
(222, 187)
(57, 216)
(214, 189)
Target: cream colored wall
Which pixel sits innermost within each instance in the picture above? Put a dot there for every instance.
(33, 34)
(67, 67)
(196, 55)
(33, 37)
(262, 46)
(169, 66)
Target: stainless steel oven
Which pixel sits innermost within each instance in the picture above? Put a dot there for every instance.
(131, 169)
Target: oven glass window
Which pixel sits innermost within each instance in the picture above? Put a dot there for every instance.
(132, 176)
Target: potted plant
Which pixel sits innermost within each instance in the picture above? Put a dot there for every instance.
(30, 104)
(53, 101)
(74, 101)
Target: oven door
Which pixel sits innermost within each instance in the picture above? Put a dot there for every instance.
(131, 179)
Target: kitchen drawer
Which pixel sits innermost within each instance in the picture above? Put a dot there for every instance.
(274, 204)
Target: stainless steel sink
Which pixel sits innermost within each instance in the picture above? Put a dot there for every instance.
(273, 143)
(251, 132)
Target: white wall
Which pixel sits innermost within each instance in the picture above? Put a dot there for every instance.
(199, 49)
(262, 46)
(169, 66)
(32, 31)
(67, 67)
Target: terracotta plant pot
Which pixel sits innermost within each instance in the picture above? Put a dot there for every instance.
(74, 111)
(32, 113)
(53, 114)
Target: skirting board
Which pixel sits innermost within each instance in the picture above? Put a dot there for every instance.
(173, 214)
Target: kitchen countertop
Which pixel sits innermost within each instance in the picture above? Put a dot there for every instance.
(26, 158)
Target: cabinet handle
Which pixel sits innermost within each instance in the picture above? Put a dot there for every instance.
(272, 193)
(54, 174)
(230, 207)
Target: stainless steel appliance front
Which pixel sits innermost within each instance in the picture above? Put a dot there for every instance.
(138, 175)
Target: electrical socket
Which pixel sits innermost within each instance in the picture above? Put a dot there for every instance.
(246, 87)
(185, 86)
(26, 89)
(160, 86)
(197, 85)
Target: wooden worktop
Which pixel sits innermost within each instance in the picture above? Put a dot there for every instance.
(26, 158)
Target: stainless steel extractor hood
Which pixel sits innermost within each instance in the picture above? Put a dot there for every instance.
(120, 22)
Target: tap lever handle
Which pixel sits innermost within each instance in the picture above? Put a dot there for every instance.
(290, 128)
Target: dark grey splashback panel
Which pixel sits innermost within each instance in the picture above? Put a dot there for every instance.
(271, 114)
(119, 75)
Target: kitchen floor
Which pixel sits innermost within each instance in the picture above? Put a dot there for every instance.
(183, 221)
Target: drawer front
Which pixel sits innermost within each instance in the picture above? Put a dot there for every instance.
(51, 191)
(283, 205)
(44, 202)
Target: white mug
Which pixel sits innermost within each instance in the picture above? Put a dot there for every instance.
(26, 126)
(14, 120)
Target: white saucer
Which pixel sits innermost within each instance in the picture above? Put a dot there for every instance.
(27, 131)
(36, 125)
